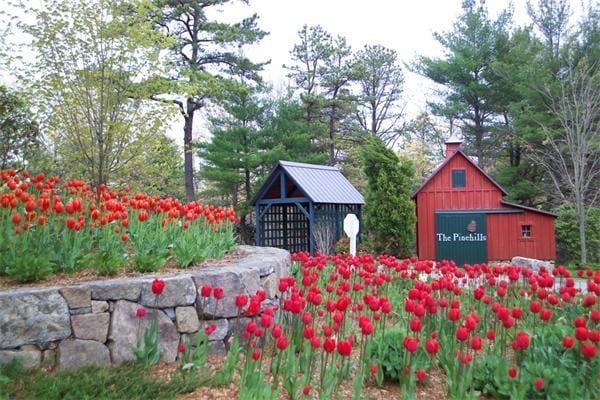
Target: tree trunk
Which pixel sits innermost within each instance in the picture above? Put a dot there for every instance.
(332, 121)
(582, 239)
(479, 138)
(188, 161)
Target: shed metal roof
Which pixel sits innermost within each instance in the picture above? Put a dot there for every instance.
(320, 183)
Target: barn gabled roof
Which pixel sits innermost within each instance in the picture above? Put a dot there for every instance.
(446, 161)
(320, 183)
(522, 207)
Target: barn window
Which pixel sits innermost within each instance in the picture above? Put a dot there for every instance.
(526, 231)
(459, 178)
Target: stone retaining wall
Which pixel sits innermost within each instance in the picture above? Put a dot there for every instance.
(95, 322)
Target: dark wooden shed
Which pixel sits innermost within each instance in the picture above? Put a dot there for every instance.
(301, 207)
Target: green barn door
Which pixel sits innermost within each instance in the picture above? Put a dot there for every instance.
(461, 237)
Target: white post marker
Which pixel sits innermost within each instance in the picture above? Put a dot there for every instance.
(351, 226)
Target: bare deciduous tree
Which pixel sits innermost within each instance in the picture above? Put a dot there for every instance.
(571, 151)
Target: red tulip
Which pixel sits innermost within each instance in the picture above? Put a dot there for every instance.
(306, 318)
(415, 324)
(206, 291)
(521, 341)
(141, 312)
(266, 320)
(276, 332)
(367, 328)
(158, 285)
(568, 342)
(588, 350)
(374, 369)
(546, 314)
(411, 344)
(535, 307)
(453, 314)
(308, 332)
(256, 354)
(241, 300)
(209, 329)
(589, 300)
(329, 345)
(581, 333)
(580, 322)
(512, 372)
(282, 343)
(539, 383)
(462, 333)
(432, 346)
(315, 342)
(344, 347)
(218, 293)
(420, 374)
(476, 343)
(181, 348)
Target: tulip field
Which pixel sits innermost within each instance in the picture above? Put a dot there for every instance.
(49, 227)
(493, 331)
(343, 327)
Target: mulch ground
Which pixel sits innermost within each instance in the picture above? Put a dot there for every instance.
(433, 388)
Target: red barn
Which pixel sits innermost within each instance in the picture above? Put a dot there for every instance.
(461, 216)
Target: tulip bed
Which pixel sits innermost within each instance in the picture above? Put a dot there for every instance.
(500, 331)
(48, 228)
(345, 325)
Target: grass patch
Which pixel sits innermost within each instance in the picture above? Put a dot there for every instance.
(129, 381)
(574, 266)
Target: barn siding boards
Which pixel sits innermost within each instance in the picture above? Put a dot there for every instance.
(480, 195)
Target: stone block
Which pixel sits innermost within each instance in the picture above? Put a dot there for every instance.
(117, 289)
(126, 326)
(77, 353)
(187, 319)
(91, 326)
(29, 357)
(79, 311)
(32, 316)
(532, 263)
(77, 296)
(179, 291)
(99, 306)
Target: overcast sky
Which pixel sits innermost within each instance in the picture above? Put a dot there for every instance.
(406, 26)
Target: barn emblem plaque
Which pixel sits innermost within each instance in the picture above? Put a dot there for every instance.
(472, 226)
(471, 236)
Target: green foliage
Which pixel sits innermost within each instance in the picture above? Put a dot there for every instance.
(224, 376)
(567, 235)
(389, 209)
(19, 134)
(380, 80)
(248, 142)
(150, 243)
(88, 57)
(204, 62)
(467, 73)
(388, 352)
(128, 381)
(146, 350)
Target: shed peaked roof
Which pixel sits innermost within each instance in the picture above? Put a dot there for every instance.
(442, 165)
(320, 183)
